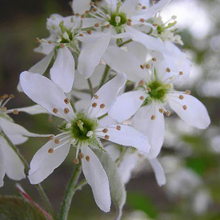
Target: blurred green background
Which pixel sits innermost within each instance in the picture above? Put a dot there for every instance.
(190, 157)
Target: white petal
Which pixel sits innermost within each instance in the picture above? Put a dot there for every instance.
(14, 168)
(149, 42)
(153, 129)
(158, 171)
(32, 110)
(107, 95)
(124, 62)
(97, 179)
(138, 51)
(41, 66)
(106, 121)
(45, 93)
(160, 5)
(126, 136)
(2, 167)
(112, 4)
(16, 133)
(196, 113)
(81, 83)
(44, 163)
(63, 70)
(90, 56)
(127, 105)
(79, 6)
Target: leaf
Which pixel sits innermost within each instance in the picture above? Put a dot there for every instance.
(141, 202)
(117, 188)
(15, 208)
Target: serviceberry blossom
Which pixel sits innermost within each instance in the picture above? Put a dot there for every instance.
(148, 105)
(80, 129)
(10, 163)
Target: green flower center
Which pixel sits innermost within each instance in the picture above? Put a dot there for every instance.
(158, 90)
(117, 19)
(83, 127)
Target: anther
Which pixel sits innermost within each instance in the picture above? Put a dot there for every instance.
(168, 113)
(161, 110)
(11, 96)
(5, 96)
(81, 155)
(141, 83)
(118, 127)
(180, 73)
(56, 141)
(102, 106)
(188, 92)
(105, 130)
(87, 158)
(148, 89)
(66, 110)
(50, 151)
(154, 59)
(184, 107)
(94, 104)
(144, 7)
(50, 42)
(142, 98)
(76, 160)
(15, 112)
(66, 100)
(62, 45)
(89, 32)
(142, 66)
(95, 9)
(86, 12)
(4, 109)
(37, 40)
(107, 137)
(181, 97)
(96, 25)
(153, 117)
(168, 70)
(91, 4)
(108, 26)
(155, 25)
(148, 66)
(81, 35)
(142, 20)
(96, 96)
(129, 23)
(51, 138)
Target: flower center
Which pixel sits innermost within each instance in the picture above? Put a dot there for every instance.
(117, 19)
(158, 90)
(83, 127)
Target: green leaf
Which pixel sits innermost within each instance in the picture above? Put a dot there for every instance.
(117, 188)
(141, 202)
(16, 208)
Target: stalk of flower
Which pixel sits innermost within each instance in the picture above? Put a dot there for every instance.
(148, 105)
(81, 129)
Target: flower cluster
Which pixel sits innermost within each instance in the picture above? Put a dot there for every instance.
(114, 66)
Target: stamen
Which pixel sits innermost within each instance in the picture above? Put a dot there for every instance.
(81, 35)
(51, 138)
(107, 137)
(184, 107)
(148, 66)
(66, 101)
(188, 92)
(142, 67)
(87, 158)
(55, 110)
(15, 112)
(153, 117)
(181, 97)
(161, 110)
(50, 151)
(141, 83)
(142, 98)
(180, 73)
(155, 24)
(4, 109)
(102, 106)
(118, 127)
(89, 32)
(144, 7)
(56, 141)
(66, 110)
(105, 130)
(89, 134)
(96, 96)
(154, 59)
(76, 160)
(142, 20)
(168, 113)
(168, 70)
(94, 104)
(81, 155)
(62, 45)
(96, 25)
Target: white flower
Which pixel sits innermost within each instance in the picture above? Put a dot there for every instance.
(10, 163)
(128, 160)
(81, 129)
(148, 105)
(115, 20)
